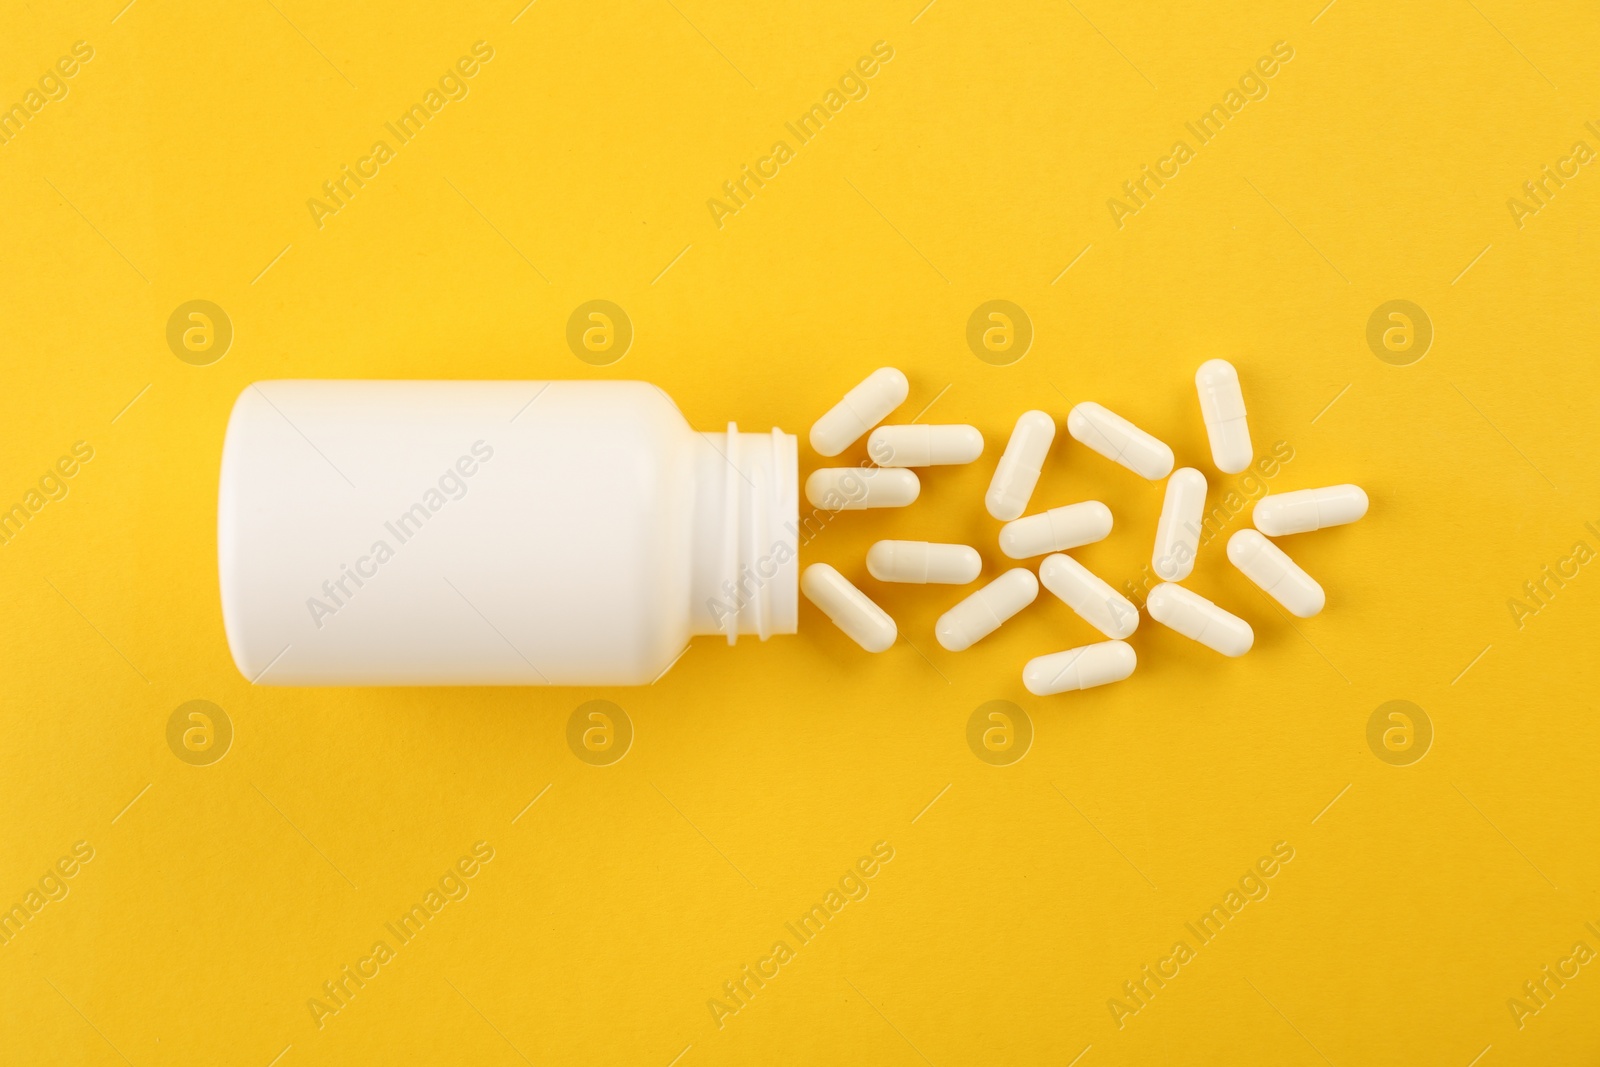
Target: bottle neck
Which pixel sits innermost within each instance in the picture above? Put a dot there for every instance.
(746, 570)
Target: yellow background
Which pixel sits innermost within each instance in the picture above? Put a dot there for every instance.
(1378, 167)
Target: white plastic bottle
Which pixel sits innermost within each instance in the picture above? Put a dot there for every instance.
(494, 533)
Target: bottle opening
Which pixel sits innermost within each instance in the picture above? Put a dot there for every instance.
(746, 554)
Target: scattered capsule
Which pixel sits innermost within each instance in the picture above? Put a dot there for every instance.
(1079, 668)
(1309, 509)
(1115, 438)
(850, 609)
(1178, 529)
(1279, 577)
(1096, 603)
(924, 446)
(922, 562)
(1198, 619)
(1018, 470)
(861, 409)
(854, 488)
(1222, 406)
(1056, 529)
(981, 614)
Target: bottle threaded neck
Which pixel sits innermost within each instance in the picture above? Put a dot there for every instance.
(746, 573)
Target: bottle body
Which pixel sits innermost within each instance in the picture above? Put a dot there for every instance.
(493, 533)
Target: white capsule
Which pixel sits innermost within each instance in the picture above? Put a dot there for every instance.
(1222, 406)
(1018, 470)
(981, 614)
(921, 562)
(1198, 619)
(1309, 509)
(1056, 529)
(1096, 603)
(850, 609)
(1079, 668)
(1115, 438)
(1178, 529)
(924, 446)
(861, 409)
(854, 488)
(1279, 577)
